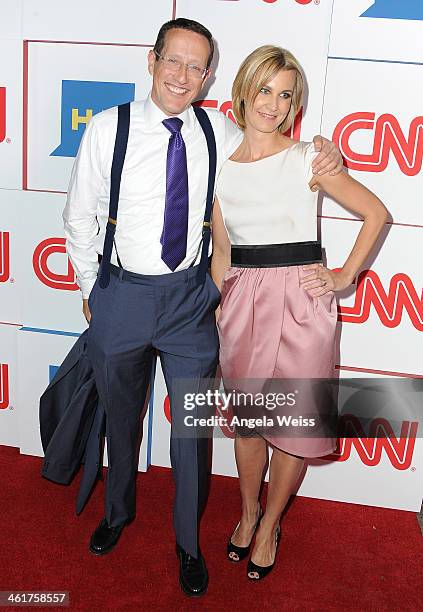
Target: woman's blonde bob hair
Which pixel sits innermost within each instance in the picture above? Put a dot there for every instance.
(257, 70)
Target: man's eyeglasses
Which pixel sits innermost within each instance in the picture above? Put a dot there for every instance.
(175, 65)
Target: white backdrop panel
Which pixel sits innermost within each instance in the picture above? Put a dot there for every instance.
(383, 321)
(11, 19)
(9, 413)
(11, 114)
(129, 21)
(240, 27)
(381, 137)
(10, 258)
(45, 276)
(381, 36)
(37, 353)
(66, 78)
(161, 427)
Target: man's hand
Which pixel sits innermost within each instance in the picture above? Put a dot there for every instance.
(86, 310)
(329, 159)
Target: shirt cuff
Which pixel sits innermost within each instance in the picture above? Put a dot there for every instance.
(86, 287)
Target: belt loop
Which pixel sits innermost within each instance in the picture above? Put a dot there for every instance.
(120, 274)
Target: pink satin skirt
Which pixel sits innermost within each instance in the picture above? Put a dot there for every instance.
(269, 327)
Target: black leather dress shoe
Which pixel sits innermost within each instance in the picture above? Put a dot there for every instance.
(193, 575)
(105, 538)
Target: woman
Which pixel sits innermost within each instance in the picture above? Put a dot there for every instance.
(278, 312)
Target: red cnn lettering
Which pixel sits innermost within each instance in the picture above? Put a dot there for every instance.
(295, 130)
(166, 409)
(226, 108)
(388, 137)
(4, 257)
(40, 263)
(389, 306)
(303, 2)
(207, 103)
(4, 386)
(2, 113)
(382, 438)
(225, 417)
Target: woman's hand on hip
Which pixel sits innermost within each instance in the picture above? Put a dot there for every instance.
(320, 280)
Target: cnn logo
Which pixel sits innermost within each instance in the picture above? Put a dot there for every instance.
(380, 441)
(2, 113)
(273, 1)
(389, 305)
(4, 256)
(40, 261)
(226, 108)
(4, 386)
(388, 138)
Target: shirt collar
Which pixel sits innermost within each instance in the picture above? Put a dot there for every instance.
(153, 115)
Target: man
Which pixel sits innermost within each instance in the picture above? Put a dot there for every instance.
(155, 300)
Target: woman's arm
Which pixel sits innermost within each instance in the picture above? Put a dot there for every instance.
(221, 257)
(355, 197)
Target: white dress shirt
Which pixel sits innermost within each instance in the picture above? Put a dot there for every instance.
(142, 191)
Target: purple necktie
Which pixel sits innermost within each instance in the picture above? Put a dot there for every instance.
(175, 225)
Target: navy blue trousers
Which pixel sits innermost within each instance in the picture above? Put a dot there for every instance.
(131, 319)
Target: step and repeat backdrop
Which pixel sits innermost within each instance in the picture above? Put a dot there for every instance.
(364, 68)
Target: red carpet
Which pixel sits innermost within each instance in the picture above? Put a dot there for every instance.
(332, 556)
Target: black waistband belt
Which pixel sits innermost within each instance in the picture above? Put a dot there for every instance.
(276, 255)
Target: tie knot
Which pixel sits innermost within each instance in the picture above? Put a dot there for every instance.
(174, 124)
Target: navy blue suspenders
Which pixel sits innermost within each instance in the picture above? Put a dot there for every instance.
(119, 153)
(204, 121)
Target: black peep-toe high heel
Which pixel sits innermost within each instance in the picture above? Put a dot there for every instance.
(262, 572)
(241, 551)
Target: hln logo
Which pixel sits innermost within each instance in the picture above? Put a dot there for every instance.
(393, 9)
(52, 369)
(80, 101)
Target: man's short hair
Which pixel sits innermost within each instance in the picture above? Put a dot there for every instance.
(184, 24)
